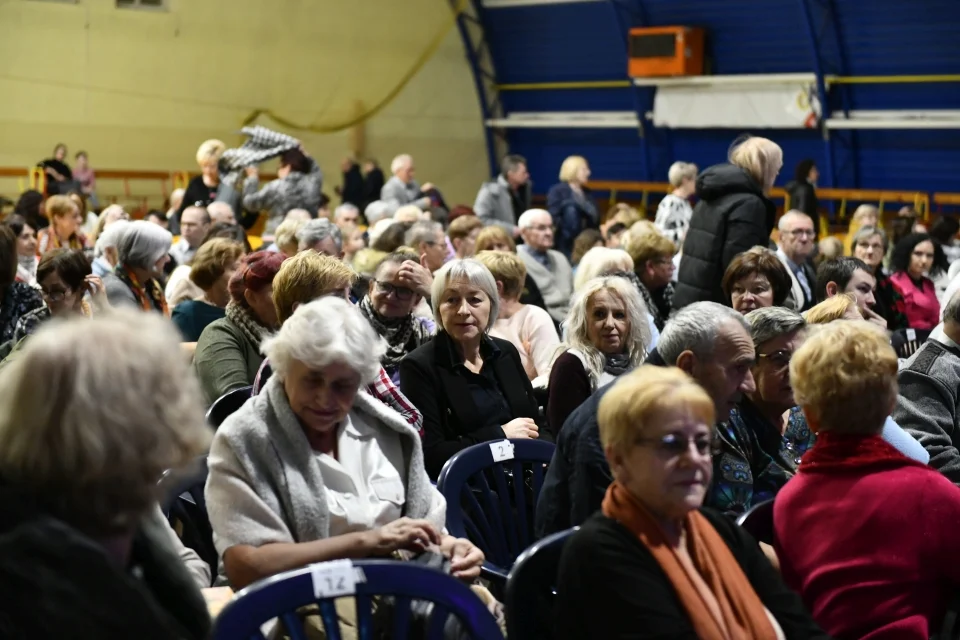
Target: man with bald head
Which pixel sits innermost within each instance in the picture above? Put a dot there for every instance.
(796, 245)
(194, 224)
(221, 212)
(549, 269)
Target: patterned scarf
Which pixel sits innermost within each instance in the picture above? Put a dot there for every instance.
(149, 296)
(617, 364)
(403, 335)
(244, 318)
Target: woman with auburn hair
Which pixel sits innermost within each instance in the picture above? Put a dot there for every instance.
(570, 204)
(852, 485)
(733, 215)
(64, 230)
(756, 279)
(653, 563)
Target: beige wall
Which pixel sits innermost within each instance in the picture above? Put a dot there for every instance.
(141, 89)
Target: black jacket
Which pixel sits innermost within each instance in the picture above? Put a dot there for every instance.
(803, 197)
(451, 421)
(732, 216)
(610, 586)
(56, 582)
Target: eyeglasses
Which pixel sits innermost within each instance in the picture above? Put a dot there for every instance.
(543, 227)
(54, 296)
(780, 359)
(674, 444)
(801, 233)
(402, 293)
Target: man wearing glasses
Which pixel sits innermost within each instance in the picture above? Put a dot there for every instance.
(797, 241)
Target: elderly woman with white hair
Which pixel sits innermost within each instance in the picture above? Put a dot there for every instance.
(607, 333)
(84, 549)
(322, 236)
(470, 387)
(142, 253)
(311, 470)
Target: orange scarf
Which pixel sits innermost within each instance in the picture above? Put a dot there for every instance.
(48, 240)
(735, 611)
(151, 299)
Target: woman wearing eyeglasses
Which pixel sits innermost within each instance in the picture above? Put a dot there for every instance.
(388, 306)
(652, 563)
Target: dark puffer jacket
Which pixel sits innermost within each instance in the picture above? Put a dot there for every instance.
(732, 216)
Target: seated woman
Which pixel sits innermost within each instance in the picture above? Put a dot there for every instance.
(82, 545)
(494, 238)
(571, 205)
(852, 485)
(606, 331)
(530, 329)
(16, 298)
(652, 563)
(470, 388)
(26, 248)
(228, 350)
(64, 230)
(652, 256)
(914, 260)
(213, 265)
(312, 470)
(388, 307)
(840, 307)
(756, 279)
(142, 253)
(870, 245)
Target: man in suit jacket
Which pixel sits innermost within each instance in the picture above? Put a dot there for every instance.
(796, 245)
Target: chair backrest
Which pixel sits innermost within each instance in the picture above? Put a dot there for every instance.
(491, 491)
(322, 584)
(184, 506)
(226, 404)
(758, 521)
(531, 588)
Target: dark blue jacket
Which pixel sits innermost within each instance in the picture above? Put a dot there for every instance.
(571, 215)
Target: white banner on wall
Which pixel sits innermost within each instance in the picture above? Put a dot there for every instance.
(747, 106)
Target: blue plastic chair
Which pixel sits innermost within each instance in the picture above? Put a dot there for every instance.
(226, 404)
(492, 503)
(184, 506)
(280, 596)
(758, 521)
(531, 588)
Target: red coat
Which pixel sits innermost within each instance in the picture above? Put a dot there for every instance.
(871, 546)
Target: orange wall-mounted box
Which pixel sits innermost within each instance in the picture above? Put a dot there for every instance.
(665, 51)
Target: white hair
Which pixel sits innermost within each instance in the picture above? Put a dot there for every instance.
(322, 332)
(378, 210)
(471, 271)
(220, 206)
(527, 218)
(400, 162)
(789, 216)
(601, 261)
(578, 319)
(769, 323)
(346, 207)
(695, 328)
(376, 230)
(422, 231)
(298, 214)
(680, 170)
(316, 231)
(142, 244)
(110, 237)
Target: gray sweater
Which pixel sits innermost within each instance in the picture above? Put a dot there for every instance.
(927, 407)
(555, 283)
(265, 484)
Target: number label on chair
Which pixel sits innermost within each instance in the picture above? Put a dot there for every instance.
(911, 335)
(501, 450)
(333, 579)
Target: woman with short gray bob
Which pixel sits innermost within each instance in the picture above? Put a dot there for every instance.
(95, 410)
(311, 469)
(142, 253)
(470, 387)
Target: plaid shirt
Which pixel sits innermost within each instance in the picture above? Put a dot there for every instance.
(382, 389)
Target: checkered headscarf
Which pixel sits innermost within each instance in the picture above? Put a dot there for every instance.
(261, 145)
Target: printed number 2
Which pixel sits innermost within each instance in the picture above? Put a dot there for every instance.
(501, 450)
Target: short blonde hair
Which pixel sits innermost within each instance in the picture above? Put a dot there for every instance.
(210, 151)
(492, 235)
(368, 260)
(680, 171)
(508, 268)
(95, 410)
(306, 277)
(865, 211)
(601, 261)
(649, 246)
(59, 206)
(845, 377)
(463, 227)
(285, 236)
(831, 309)
(212, 260)
(570, 167)
(642, 397)
(761, 158)
(624, 214)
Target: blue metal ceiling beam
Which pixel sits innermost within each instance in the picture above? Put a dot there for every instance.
(639, 105)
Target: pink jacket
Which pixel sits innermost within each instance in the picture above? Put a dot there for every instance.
(920, 303)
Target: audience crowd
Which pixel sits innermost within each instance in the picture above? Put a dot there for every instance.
(757, 434)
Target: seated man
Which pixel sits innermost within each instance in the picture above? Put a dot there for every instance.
(853, 276)
(710, 342)
(401, 188)
(928, 406)
(502, 201)
(549, 269)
